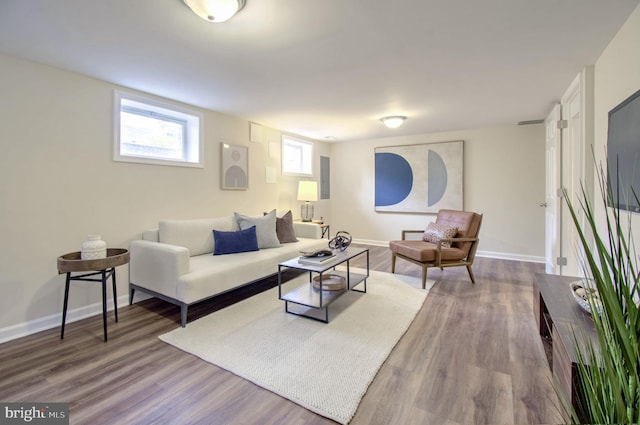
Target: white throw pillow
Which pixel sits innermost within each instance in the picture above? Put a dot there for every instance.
(195, 235)
(265, 228)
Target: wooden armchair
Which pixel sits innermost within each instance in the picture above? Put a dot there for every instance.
(461, 252)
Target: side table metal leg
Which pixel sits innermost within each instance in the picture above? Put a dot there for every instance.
(104, 303)
(115, 296)
(65, 303)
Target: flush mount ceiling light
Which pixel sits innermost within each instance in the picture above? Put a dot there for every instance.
(215, 10)
(393, 121)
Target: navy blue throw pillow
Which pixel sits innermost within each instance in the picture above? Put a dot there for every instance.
(233, 242)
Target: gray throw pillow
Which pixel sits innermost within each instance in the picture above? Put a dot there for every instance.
(284, 228)
(265, 228)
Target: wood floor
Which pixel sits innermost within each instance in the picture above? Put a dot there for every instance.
(472, 356)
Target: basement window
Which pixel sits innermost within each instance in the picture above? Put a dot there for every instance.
(149, 131)
(297, 157)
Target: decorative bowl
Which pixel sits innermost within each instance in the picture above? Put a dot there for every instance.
(330, 282)
(581, 290)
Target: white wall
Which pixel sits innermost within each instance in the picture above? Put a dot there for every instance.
(503, 179)
(58, 184)
(617, 76)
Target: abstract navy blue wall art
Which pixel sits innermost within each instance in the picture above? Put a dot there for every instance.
(420, 178)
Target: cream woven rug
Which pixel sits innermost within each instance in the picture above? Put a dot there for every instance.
(325, 368)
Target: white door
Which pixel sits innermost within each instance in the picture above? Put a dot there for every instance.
(567, 136)
(552, 203)
(573, 159)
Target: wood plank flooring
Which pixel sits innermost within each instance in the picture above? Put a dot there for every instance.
(472, 356)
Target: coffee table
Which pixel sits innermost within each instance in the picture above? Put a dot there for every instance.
(307, 299)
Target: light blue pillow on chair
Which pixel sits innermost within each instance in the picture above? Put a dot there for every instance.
(265, 228)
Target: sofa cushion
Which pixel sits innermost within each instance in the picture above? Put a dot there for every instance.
(265, 228)
(284, 228)
(435, 232)
(195, 235)
(234, 242)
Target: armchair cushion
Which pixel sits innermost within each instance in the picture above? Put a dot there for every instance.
(468, 224)
(425, 251)
(435, 232)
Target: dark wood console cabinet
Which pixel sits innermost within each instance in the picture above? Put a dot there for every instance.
(559, 318)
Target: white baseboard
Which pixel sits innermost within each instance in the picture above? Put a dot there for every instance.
(487, 254)
(508, 256)
(55, 320)
(371, 242)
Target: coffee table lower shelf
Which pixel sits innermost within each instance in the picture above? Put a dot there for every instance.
(308, 301)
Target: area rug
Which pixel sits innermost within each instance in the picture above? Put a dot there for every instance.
(324, 367)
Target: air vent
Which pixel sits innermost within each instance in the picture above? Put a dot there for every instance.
(530, 122)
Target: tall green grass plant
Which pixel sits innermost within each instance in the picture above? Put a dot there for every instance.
(611, 390)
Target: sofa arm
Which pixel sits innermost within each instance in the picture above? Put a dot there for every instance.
(157, 266)
(307, 230)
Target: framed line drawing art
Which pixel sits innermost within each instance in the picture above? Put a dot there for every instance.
(422, 178)
(235, 166)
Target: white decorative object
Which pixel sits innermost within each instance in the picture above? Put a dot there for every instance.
(93, 248)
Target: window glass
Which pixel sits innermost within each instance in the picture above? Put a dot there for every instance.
(158, 133)
(297, 156)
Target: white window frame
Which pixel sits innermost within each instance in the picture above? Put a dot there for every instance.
(300, 164)
(194, 128)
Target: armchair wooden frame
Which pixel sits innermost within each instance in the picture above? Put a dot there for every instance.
(466, 261)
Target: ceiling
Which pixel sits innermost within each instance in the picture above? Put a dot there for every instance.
(329, 69)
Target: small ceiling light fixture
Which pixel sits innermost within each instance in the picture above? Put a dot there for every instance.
(215, 10)
(393, 121)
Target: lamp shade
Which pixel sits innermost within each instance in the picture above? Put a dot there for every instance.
(307, 190)
(215, 10)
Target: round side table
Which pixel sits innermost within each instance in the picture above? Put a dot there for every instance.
(104, 267)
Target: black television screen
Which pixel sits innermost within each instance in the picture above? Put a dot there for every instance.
(623, 153)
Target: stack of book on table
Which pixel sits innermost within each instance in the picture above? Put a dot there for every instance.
(316, 260)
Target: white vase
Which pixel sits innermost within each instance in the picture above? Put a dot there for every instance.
(94, 248)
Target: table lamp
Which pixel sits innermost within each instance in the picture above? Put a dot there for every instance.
(307, 191)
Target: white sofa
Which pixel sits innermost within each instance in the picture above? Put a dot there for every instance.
(175, 262)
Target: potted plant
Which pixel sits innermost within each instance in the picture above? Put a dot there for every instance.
(610, 391)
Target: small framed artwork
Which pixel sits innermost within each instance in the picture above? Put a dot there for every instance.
(235, 166)
(256, 132)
